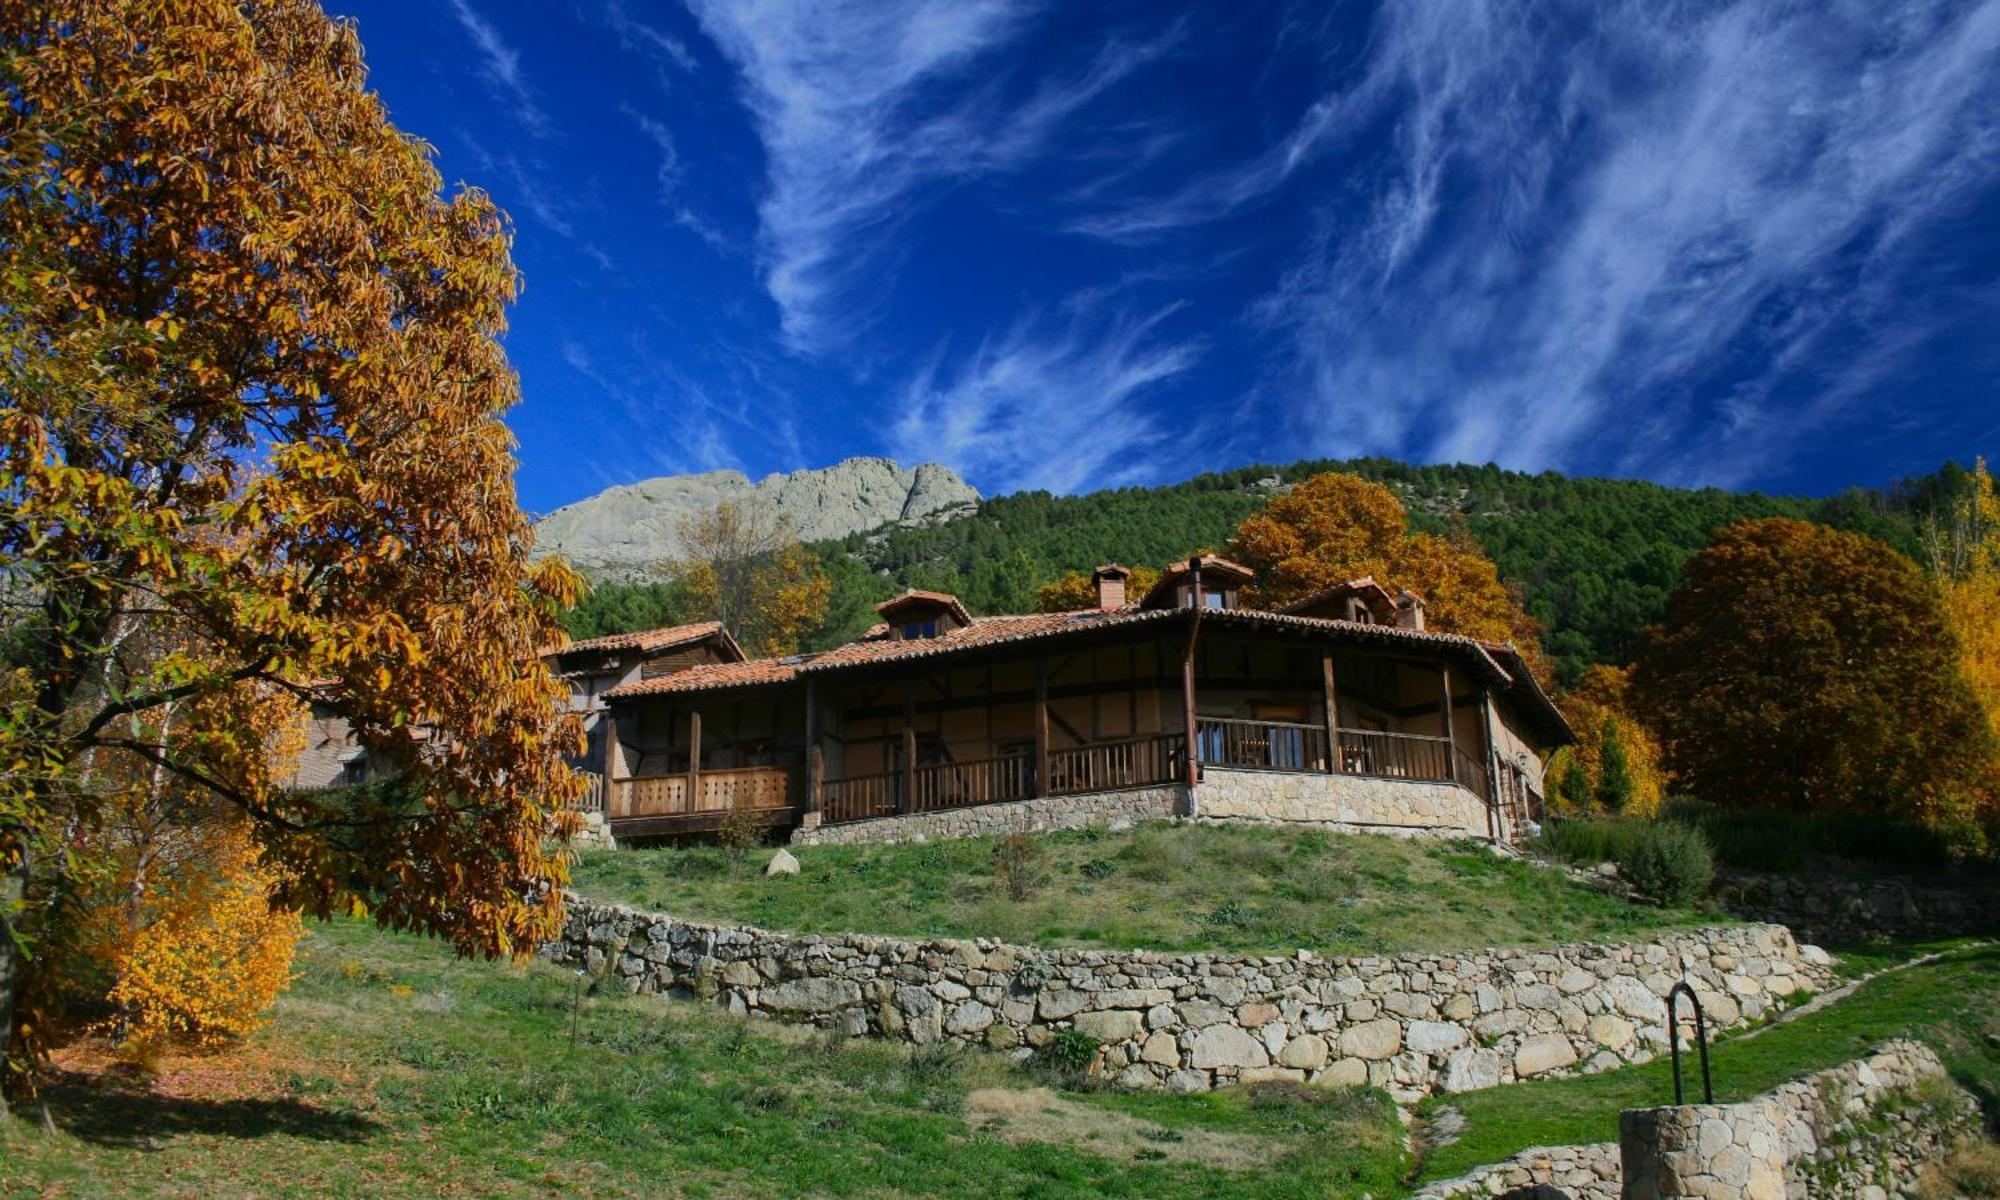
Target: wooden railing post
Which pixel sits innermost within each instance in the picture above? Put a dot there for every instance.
(815, 768)
(694, 760)
(1041, 787)
(614, 761)
(906, 801)
(1333, 764)
(1444, 686)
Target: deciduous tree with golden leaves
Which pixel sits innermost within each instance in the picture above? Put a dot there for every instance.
(1599, 709)
(250, 398)
(1335, 527)
(1075, 590)
(743, 566)
(1962, 548)
(1805, 668)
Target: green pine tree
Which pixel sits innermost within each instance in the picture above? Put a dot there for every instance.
(1573, 785)
(1614, 775)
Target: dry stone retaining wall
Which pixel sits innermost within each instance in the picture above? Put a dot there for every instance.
(1863, 1130)
(1412, 1024)
(1543, 1173)
(1351, 802)
(1346, 800)
(1023, 816)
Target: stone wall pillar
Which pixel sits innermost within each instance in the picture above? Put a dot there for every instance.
(1713, 1151)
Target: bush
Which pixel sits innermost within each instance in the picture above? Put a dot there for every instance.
(1668, 862)
(1068, 1054)
(1761, 839)
(1014, 862)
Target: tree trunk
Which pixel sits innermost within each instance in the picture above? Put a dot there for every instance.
(13, 887)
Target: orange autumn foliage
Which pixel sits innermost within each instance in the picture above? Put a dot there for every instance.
(251, 392)
(1810, 669)
(1075, 590)
(1335, 527)
(1602, 700)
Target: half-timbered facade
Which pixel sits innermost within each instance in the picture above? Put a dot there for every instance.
(1347, 696)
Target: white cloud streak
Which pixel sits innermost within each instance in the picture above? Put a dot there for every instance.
(1572, 236)
(502, 68)
(863, 105)
(1059, 404)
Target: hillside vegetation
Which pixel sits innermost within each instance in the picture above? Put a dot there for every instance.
(1595, 558)
(1159, 886)
(393, 1070)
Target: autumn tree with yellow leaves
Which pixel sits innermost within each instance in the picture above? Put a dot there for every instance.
(742, 565)
(1962, 548)
(1077, 590)
(250, 440)
(1615, 764)
(1335, 527)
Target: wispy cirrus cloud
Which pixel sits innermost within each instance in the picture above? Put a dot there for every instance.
(1631, 247)
(1057, 403)
(868, 108)
(502, 68)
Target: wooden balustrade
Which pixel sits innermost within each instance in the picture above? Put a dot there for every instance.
(859, 797)
(1395, 755)
(715, 792)
(1472, 774)
(1261, 745)
(592, 799)
(1109, 766)
(962, 784)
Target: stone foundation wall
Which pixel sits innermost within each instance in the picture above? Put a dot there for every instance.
(1543, 1173)
(1346, 800)
(1851, 910)
(1412, 1024)
(593, 834)
(1021, 816)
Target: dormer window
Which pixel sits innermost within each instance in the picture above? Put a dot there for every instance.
(1216, 580)
(916, 614)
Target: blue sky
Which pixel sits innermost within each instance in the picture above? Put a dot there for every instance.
(1070, 246)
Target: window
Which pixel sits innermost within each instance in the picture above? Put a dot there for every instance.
(919, 629)
(1217, 599)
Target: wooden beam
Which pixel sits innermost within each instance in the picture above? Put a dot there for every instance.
(1187, 695)
(694, 760)
(613, 762)
(1332, 701)
(815, 766)
(1450, 744)
(909, 747)
(1041, 787)
(1492, 763)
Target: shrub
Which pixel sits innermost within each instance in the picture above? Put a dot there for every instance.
(1014, 862)
(740, 832)
(1771, 840)
(1070, 1052)
(1668, 862)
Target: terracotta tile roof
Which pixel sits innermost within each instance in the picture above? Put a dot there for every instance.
(1498, 663)
(945, 600)
(710, 677)
(665, 638)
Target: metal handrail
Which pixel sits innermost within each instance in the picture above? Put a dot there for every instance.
(1701, 1041)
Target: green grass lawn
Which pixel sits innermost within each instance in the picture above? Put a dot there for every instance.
(1952, 1004)
(392, 1069)
(1158, 886)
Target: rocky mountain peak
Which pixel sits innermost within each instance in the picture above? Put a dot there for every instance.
(620, 531)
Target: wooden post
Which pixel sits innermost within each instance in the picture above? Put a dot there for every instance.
(1492, 763)
(815, 768)
(613, 761)
(1041, 787)
(694, 760)
(1188, 725)
(1450, 744)
(1333, 763)
(904, 801)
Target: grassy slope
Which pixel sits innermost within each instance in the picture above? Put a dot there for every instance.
(393, 1070)
(1953, 1004)
(1157, 886)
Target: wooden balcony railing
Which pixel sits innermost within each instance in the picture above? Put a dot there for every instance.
(714, 792)
(1109, 766)
(1395, 755)
(859, 797)
(1104, 766)
(1472, 774)
(592, 799)
(972, 781)
(1261, 745)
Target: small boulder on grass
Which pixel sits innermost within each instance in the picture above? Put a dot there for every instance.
(782, 863)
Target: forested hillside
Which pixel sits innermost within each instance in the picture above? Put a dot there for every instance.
(1594, 557)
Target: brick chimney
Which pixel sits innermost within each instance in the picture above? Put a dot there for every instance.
(1409, 610)
(1110, 580)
